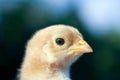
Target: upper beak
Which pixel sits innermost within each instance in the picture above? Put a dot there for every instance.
(81, 47)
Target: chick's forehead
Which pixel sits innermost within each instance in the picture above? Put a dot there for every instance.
(64, 30)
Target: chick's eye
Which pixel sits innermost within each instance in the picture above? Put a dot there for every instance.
(60, 41)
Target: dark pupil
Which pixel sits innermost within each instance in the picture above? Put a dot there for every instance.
(60, 41)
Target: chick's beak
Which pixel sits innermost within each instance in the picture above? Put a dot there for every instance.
(81, 47)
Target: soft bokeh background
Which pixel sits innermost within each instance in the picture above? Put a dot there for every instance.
(97, 20)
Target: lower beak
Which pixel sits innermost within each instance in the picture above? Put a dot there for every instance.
(81, 47)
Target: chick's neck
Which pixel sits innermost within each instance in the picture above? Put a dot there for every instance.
(56, 71)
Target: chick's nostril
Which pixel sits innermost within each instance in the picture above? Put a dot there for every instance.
(81, 42)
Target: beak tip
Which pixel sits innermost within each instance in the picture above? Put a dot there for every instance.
(90, 50)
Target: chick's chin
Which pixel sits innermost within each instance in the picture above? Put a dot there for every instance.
(72, 57)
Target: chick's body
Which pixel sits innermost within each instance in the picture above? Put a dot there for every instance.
(51, 51)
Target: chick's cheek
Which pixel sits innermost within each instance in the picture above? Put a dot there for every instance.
(47, 51)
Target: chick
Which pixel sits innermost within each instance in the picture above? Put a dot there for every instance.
(50, 53)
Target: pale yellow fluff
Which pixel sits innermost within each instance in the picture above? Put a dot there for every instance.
(45, 59)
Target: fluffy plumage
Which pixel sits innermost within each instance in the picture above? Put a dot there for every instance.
(51, 51)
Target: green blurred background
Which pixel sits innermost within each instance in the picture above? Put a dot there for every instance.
(98, 21)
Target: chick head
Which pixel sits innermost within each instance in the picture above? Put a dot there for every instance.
(59, 44)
